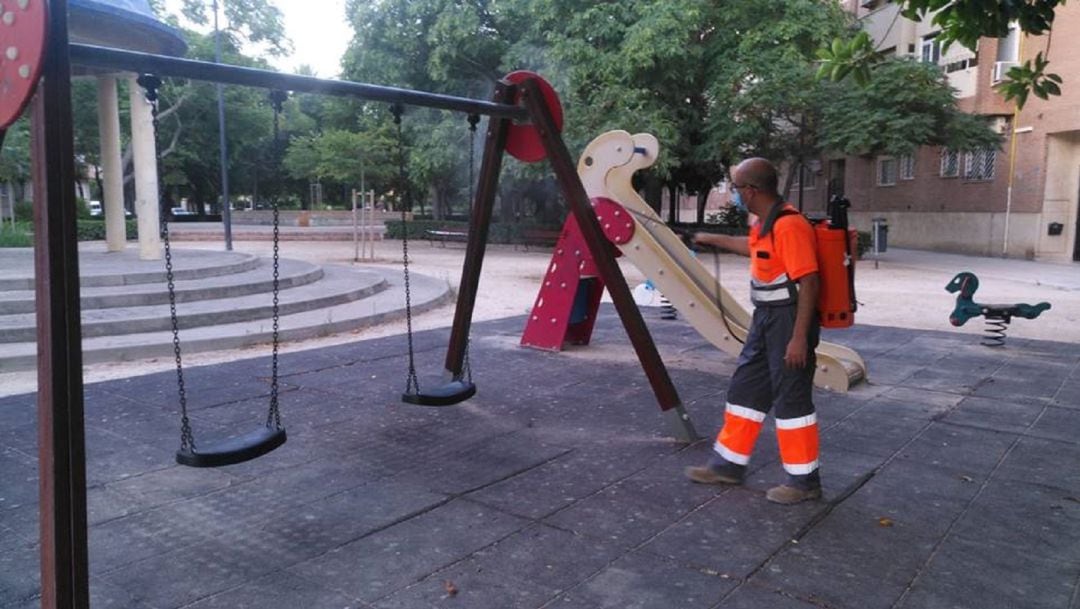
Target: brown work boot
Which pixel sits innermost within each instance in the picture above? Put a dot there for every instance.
(711, 475)
(789, 495)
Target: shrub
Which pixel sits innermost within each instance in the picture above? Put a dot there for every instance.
(24, 211)
(94, 230)
(19, 235)
(498, 232)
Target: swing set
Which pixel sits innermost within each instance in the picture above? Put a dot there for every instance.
(525, 120)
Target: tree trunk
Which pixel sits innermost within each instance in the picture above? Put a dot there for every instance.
(702, 199)
(673, 203)
(654, 192)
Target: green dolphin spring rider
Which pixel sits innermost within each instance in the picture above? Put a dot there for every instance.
(997, 316)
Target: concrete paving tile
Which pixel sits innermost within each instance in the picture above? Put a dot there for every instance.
(849, 560)
(998, 415)
(967, 573)
(20, 578)
(917, 500)
(485, 462)
(644, 581)
(622, 515)
(318, 526)
(1023, 391)
(473, 587)
(1068, 396)
(20, 476)
(874, 432)
(1029, 519)
(946, 381)
(117, 544)
(104, 504)
(1058, 424)
(550, 558)
(974, 452)
(734, 533)
(380, 564)
(892, 370)
(278, 590)
(180, 577)
(564, 480)
(163, 486)
(18, 410)
(1040, 461)
(104, 595)
(752, 596)
(22, 522)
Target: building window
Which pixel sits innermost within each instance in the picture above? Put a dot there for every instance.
(808, 179)
(950, 163)
(907, 167)
(886, 173)
(979, 164)
(931, 49)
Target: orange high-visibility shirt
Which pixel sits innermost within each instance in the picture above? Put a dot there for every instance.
(790, 248)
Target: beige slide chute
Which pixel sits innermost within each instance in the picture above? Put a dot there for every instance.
(606, 168)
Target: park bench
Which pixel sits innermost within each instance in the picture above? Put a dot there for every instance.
(447, 233)
(538, 237)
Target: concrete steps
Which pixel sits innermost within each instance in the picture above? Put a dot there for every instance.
(126, 316)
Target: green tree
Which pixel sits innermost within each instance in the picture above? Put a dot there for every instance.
(905, 105)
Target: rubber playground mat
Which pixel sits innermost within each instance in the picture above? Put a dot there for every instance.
(950, 479)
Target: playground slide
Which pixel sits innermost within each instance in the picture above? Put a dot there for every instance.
(661, 255)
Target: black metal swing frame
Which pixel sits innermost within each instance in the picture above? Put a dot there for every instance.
(62, 450)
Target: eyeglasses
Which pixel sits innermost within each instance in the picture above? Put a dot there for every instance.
(732, 187)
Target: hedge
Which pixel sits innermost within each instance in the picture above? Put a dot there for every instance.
(498, 232)
(22, 235)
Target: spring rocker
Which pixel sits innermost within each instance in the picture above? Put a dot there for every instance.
(998, 316)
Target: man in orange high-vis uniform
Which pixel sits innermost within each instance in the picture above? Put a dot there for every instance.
(777, 363)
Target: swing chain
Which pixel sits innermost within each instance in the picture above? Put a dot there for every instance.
(150, 84)
(412, 384)
(273, 416)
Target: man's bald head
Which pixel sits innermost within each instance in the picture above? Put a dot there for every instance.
(758, 172)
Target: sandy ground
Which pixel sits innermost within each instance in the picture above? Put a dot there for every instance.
(905, 290)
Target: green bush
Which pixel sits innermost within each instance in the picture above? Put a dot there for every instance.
(20, 235)
(498, 232)
(94, 230)
(24, 211)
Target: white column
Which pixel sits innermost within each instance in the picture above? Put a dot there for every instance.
(112, 169)
(144, 153)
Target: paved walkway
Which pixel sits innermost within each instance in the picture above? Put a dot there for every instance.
(950, 482)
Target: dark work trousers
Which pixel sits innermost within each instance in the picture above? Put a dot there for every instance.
(762, 382)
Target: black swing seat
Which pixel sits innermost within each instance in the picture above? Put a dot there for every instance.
(449, 394)
(233, 450)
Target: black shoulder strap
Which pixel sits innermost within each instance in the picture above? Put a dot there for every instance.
(779, 210)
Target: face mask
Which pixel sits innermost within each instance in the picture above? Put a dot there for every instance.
(736, 200)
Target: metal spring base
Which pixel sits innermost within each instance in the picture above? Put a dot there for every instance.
(667, 310)
(995, 332)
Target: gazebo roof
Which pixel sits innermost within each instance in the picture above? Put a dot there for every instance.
(124, 24)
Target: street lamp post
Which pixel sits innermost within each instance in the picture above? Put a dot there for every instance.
(223, 151)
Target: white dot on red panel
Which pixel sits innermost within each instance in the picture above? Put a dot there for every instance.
(23, 4)
(24, 71)
(9, 18)
(12, 53)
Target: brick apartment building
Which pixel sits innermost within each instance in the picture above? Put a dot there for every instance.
(961, 202)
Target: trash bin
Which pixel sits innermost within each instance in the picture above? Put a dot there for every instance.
(880, 235)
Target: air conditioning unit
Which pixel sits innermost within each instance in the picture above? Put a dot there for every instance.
(1000, 68)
